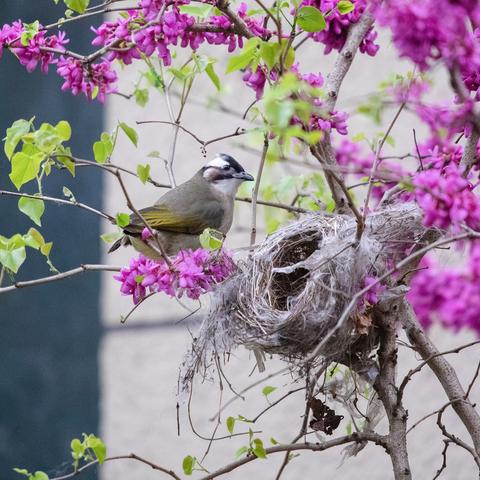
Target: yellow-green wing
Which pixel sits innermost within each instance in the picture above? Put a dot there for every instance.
(160, 217)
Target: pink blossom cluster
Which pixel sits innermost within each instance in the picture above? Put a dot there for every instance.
(31, 54)
(94, 80)
(448, 296)
(257, 80)
(446, 197)
(160, 24)
(431, 30)
(438, 153)
(192, 273)
(335, 34)
(327, 121)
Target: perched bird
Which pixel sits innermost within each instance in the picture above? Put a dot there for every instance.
(181, 215)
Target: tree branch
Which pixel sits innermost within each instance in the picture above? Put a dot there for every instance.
(60, 276)
(386, 389)
(131, 456)
(445, 374)
(256, 188)
(72, 203)
(314, 447)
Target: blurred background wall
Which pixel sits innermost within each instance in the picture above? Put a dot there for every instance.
(49, 336)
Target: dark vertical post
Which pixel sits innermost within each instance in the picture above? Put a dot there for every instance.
(49, 335)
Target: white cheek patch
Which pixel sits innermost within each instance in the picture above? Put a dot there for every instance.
(218, 162)
(228, 186)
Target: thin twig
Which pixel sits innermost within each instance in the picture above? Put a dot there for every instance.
(61, 201)
(377, 157)
(415, 370)
(131, 456)
(256, 189)
(314, 447)
(443, 466)
(60, 276)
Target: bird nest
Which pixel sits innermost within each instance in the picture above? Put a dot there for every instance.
(289, 295)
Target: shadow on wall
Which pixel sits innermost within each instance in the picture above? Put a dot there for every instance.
(49, 334)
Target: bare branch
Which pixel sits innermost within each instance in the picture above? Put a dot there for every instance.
(60, 201)
(455, 439)
(377, 159)
(253, 234)
(385, 386)
(60, 276)
(345, 58)
(131, 456)
(413, 371)
(445, 374)
(443, 466)
(314, 447)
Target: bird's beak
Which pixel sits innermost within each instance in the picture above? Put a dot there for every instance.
(246, 177)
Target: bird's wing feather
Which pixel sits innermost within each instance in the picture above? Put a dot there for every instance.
(161, 217)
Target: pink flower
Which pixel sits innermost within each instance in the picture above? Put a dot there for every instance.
(96, 79)
(192, 273)
(448, 296)
(446, 198)
(338, 25)
(33, 53)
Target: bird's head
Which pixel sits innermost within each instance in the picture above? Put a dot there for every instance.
(225, 174)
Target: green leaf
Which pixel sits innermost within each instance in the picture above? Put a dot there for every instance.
(248, 54)
(345, 6)
(68, 193)
(270, 53)
(230, 424)
(154, 154)
(273, 441)
(211, 239)
(201, 11)
(111, 237)
(63, 129)
(141, 96)
(130, 133)
(100, 152)
(241, 451)
(258, 449)
(78, 6)
(310, 19)
(143, 172)
(188, 464)
(22, 471)
(15, 133)
(268, 390)
(122, 219)
(98, 447)
(13, 258)
(39, 476)
(209, 70)
(25, 168)
(29, 32)
(32, 208)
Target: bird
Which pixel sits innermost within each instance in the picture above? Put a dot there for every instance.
(184, 212)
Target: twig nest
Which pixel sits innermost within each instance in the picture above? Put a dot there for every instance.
(291, 292)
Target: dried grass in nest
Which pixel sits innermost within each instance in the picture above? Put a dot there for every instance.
(291, 292)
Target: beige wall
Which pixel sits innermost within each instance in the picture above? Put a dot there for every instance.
(139, 366)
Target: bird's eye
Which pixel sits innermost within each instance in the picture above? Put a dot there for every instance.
(226, 167)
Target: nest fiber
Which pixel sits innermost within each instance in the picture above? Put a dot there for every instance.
(290, 293)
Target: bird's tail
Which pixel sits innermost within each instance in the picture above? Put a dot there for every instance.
(121, 242)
